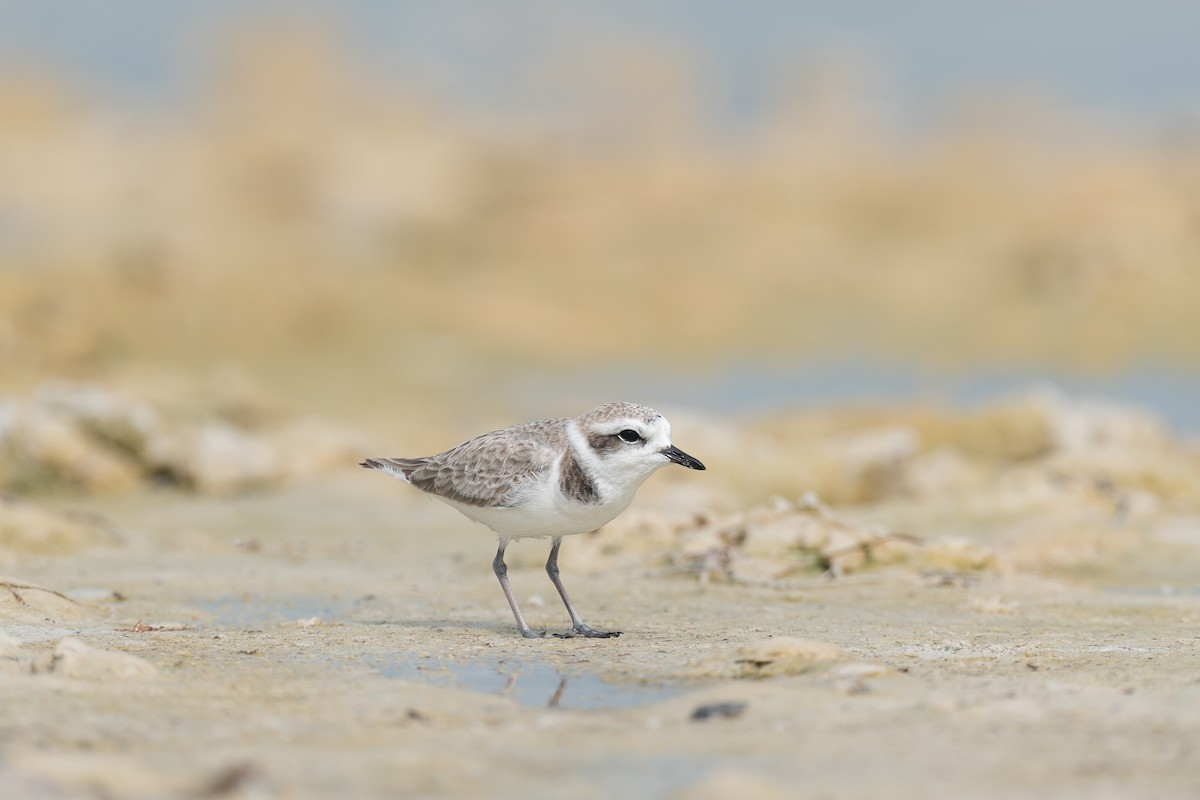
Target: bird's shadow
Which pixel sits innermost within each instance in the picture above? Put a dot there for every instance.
(444, 624)
(504, 629)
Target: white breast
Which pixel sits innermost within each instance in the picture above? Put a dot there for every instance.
(545, 513)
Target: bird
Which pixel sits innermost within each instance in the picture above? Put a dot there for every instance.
(547, 479)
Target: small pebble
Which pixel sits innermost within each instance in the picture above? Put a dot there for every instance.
(718, 711)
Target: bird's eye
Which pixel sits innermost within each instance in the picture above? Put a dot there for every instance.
(630, 436)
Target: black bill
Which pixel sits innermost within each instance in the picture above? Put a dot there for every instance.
(673, 453)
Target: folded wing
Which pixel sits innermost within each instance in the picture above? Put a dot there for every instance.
(490, 470)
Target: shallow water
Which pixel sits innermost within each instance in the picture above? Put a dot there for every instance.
(528, 682)
(931, 52)
(751, 387)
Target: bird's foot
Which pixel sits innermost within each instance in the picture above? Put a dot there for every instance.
(584, 630)
(529, 633)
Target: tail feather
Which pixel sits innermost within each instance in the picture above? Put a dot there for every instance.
(396, 467)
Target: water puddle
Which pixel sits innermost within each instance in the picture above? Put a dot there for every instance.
(530, 683)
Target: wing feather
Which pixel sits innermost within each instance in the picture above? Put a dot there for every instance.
(489, 470)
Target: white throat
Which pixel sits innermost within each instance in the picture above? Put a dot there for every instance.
(615, 477)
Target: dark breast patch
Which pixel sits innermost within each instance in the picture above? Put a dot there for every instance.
(575, 483)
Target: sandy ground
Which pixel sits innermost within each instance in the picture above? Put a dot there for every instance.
(344, 638)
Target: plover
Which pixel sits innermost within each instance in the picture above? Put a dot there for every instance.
(547, 479)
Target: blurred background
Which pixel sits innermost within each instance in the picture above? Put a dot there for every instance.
(918, 281)
(426, 214)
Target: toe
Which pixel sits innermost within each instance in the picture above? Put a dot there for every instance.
(595, 634)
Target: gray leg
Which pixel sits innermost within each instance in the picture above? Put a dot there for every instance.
(578, 627)
(501, 570)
